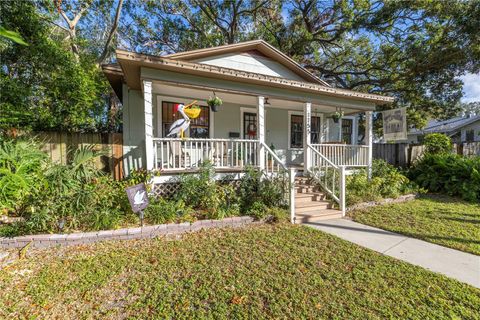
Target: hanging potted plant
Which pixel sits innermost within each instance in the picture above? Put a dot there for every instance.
(337, 115)
(214, 102)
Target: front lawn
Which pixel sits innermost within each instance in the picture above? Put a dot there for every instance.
(263, 271)
(442, 220)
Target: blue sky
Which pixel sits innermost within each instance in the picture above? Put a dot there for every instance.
(471, 87)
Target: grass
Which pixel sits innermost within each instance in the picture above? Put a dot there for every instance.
(442, 220)
(263, 271)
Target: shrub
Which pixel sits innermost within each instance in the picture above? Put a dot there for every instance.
(387, 182)
(450, 174)
(258, 210)
(254, 187)
(164, 211)
(22, 164)
(77, 194)
(437, 143)
(278, 214)
(200, 191)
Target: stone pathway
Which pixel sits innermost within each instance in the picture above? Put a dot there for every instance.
(455, 264)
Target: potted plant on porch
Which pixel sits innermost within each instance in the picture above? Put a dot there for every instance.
(214, 102)
(336, 116)
(270, 157)
(239, 156)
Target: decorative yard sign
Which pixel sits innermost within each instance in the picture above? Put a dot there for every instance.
(395, 124)
(137, 196)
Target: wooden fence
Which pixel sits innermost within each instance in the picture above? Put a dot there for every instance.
(404, 154)
(59, 146)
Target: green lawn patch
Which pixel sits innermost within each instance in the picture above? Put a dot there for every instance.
(265, 271)
(439, 219)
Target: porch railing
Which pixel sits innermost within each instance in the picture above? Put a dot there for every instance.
(179, 154)
(276, 168)
(344, 154)
(330, 176)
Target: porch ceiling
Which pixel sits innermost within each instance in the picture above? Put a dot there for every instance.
(192, 93)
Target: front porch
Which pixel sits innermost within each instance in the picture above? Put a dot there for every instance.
(273, 134)
(268, 133)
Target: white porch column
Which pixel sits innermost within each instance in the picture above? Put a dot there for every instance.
(369, 140)
(261, 131)
(307, 129)
(148, 98)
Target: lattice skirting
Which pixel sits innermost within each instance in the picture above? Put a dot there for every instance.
(168, 189)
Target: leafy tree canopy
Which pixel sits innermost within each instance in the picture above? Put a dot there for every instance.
(412, 50)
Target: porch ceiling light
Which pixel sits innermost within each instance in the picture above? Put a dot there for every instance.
(266, 102)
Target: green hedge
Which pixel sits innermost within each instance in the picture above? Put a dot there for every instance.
(387, 182)
(450, 174)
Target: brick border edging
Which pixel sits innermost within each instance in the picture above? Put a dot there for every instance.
(364, 205)
(53, 240)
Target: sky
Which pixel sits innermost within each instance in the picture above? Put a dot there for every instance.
(471, 87)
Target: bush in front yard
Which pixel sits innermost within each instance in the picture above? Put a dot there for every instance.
(255, 188)
(22, 166)
(450, 174)
(387, 182)
(437, 143)
(46, 195)
(161, 211)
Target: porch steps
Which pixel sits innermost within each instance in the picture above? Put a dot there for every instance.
(311, 204)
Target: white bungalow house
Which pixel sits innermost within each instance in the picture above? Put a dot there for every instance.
(275, 116)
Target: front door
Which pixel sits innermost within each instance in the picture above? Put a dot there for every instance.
(249, 125)
(347, 130)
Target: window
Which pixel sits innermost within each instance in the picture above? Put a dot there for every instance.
(470, 135)
(199, 127)
(296, 130)
(347, 130)
(249, 125)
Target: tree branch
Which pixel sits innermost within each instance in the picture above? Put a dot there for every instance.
(113, 30)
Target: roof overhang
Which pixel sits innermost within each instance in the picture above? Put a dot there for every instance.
(263, 47)
(131, 64)
(114, 75)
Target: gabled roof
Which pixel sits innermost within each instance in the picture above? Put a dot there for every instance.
(258, 45)
(132, 62)
(446, 126)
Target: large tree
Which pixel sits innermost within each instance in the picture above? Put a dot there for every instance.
(414, 51)
(42, 85)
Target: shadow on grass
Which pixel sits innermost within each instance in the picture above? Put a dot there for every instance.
(366, 230)
(394, 233)
(463, 220)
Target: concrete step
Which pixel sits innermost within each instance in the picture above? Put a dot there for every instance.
(308, 204)
(318, 216)
(312, 207)
(306, 189)
(307, 197)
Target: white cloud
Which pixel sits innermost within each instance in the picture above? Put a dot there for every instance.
(471, 87)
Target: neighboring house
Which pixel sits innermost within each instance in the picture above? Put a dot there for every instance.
(460, 129)
(269, 101)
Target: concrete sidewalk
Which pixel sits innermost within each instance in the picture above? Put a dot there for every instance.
(456, 264)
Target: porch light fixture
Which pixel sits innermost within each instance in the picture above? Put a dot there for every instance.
(266, 102)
